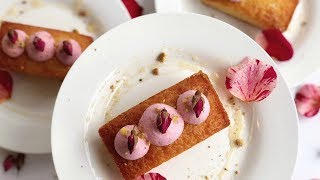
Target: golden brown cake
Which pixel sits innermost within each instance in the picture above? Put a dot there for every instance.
(191, 135)
(265, 14)
(51, 68)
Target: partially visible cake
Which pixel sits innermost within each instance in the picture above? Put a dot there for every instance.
(266, 14)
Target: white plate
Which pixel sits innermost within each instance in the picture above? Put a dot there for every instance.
(25, 119)
(126, 54)
(305, 38)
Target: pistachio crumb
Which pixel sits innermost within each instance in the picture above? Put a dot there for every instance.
(239, 142)
(75, 31)
(236, 172)
(161, 57)
(155, 71)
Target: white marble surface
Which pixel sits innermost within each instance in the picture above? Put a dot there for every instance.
(39, 167)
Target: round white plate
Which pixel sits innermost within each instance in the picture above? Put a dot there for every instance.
(118, 77)
(25, 119)
(302, 32)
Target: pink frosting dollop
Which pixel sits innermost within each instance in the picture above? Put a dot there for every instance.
(48, 51)
(74, 51)
(14, 49)
(148, 124)
(121, 144)
(184, 107)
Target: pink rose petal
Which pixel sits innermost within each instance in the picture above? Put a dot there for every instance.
(275, 44)
(307, 100)
(8, 163)
(133, 8)
(6, 84)
(251, 80)
(151, 176)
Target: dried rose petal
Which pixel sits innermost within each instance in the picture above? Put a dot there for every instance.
(19, 162)
(197, 103)
(39, 44)
(308, 100)
(275, 44)
(67, 47)
(132, 140)
(133, 7)
(6, 84)
(8, 163)
(163, 121)
(13, 36)
(151, 176)
(251, 80)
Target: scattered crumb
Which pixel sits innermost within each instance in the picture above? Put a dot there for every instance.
(24, 2)
(21, 12)
(304, 23)
(112, 88)
(125, 164)
(239, 142)
(82, 13)
(91, 28)
(220, 155)
(237, 164)
(188, 176)
(209, 147)
(206, 177)
(232, 101)
(36, 3)
(75, 31)
(155, 71)
(225, 169)
(95, 49)
(161, 57)
(81, 166)
(140, 79)
(117, 81)
(236, 172)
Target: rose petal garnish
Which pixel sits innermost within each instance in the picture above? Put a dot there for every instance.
(6, 84)
(133, 8)
(19, 162)
(13, 36)
(12, 161)
(251, 80)
(197, 103)
(67, 47)
(163, 121)
(275, 44)
(8, 163)
(39, 44)
(151, 176)
(132, 140)
(307, 100)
